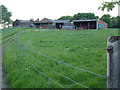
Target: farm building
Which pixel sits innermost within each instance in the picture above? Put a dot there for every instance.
(63, 24)
(23, 23)
(89, 24)
(44, 23)
(51, 24)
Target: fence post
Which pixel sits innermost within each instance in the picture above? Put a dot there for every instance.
(16, 40)
(23, 51)
(113, 62)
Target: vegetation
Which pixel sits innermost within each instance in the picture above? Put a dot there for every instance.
(116, 22)
(84, 16)
(8, 32)
(107, 18)
(109, 5)
(5, 17)
(83, 49)
(79, 16)
(66, 18)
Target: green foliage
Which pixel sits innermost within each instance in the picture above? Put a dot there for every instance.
(108, 5)
(107, 18)
(79, 16)
(73, 47)
(85, 16)
(5, 16)
(118, 21)
(66, 18)
(115, 22)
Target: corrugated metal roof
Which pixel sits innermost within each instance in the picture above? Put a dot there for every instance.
(85, 20)
(62, 21)
(24, 21)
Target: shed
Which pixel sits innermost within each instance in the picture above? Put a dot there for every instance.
(89, 24)
(61, 23)
(22, 23)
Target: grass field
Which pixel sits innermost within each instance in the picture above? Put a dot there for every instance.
(82, 49)
(5, 33)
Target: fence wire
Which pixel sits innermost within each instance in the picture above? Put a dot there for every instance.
(58, 73)
(66, 63)
(18, 34)
(48, 77)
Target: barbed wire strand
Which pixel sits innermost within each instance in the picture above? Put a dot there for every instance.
(66, 63)
(58, 73)
(47, 77)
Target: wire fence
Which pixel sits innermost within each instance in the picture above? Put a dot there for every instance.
(58, 73)
(66, 63)
(23, 54)
(48, 77)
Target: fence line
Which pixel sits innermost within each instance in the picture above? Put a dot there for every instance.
(20, 33)
(58, 73)
(48, 77)
(66, 63)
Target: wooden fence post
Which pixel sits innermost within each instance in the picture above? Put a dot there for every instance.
(113, 62)
(23, 51)
(16, 40)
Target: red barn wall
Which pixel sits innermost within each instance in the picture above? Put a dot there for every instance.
(102, 22)
(45, 20)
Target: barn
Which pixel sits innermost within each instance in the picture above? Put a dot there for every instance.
(89, 24)
(63, 24)
(23, 23)
(44, 23)
(51, 24)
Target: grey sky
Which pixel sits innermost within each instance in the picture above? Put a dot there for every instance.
(53, 9)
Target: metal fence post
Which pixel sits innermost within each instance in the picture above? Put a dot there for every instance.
(113, 62)
(23, 51)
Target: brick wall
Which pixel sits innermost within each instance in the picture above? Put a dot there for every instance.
(45, 20)
(102, 22)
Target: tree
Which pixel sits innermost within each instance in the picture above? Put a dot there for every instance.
(85, 16)
(118, 21)
(107, 18)
(5, 16)
(66, 18)
(109, 5)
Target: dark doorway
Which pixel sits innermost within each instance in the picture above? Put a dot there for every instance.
(59, 25)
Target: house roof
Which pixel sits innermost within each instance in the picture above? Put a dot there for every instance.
(85, 20)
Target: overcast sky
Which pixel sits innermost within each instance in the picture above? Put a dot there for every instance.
(53, 9)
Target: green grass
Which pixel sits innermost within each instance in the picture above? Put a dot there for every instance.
(10, 31)
(7, 32)
(82, 49)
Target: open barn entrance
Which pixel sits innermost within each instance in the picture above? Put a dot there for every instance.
(59, 25)
(37, 25)
(85, 24)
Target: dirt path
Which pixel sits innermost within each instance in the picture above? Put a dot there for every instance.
(3, 83)
(3, 80)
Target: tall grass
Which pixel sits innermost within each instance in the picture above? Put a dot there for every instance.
(82, 49)
(10, 31)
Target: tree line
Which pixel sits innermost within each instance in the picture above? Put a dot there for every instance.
(113, 22)
(5, 15)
